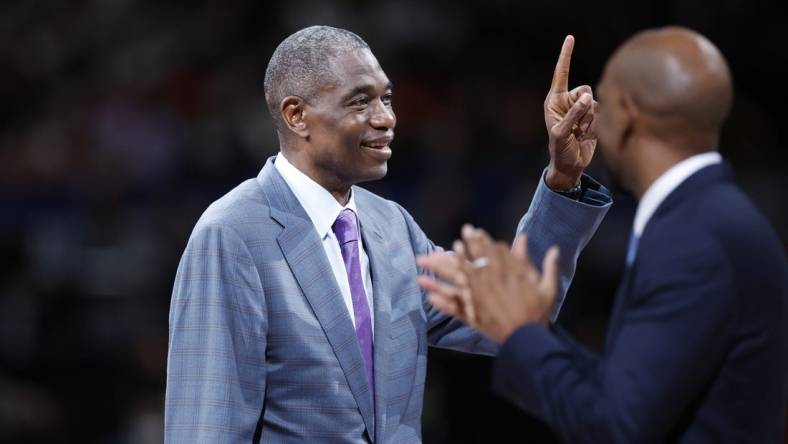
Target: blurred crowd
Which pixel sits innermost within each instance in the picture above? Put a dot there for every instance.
(123, 119)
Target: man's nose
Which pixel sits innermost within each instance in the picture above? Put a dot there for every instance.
(383, 117)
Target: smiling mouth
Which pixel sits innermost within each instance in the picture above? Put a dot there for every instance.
(376, 145)
(378, 149)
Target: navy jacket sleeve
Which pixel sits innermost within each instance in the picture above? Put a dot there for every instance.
(671, 337)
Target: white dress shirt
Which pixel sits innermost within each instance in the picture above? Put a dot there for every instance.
(666, 183)
(323, 209)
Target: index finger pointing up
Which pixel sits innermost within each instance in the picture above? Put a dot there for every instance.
(561, 73)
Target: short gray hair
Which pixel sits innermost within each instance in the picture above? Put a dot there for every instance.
(301, 64)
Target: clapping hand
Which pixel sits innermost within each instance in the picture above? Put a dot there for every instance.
(490, 287)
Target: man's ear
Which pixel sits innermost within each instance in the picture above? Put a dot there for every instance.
(293, 109)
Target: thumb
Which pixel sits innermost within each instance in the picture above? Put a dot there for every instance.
(520, 247)
(548, 284)
(587, 148)
(573, 116)
(576, 93)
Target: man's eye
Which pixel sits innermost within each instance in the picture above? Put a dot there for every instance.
(387, 99)
(361, 101)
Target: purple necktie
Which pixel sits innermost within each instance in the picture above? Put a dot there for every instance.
(346, 230)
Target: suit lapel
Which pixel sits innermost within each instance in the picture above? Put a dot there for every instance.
(618, 305)
(693, 184)
(377, 251)
(303, 251)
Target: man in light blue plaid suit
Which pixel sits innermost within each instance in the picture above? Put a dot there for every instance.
(296, 315)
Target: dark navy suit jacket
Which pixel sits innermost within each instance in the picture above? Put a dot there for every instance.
(696, 349)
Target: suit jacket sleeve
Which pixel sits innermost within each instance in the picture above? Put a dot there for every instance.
(671, 337)
(552, 219)
(217, 342)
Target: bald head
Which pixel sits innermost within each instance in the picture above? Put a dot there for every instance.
(677, 76)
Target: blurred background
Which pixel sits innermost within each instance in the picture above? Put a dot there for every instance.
(121, 120)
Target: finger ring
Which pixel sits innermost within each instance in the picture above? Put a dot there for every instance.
(480, 262)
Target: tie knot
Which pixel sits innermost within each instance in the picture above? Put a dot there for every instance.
(345, 227)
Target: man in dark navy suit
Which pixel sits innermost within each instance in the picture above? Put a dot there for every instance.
(696, 347)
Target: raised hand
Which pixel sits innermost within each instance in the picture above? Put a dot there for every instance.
(489, 287)
(568, 116)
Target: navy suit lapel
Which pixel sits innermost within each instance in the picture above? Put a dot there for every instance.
(622, 294)
(694, 184)
(377, 251)
(303, 251)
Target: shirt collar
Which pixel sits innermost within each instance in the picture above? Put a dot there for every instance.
(666, 183)
(319, 204)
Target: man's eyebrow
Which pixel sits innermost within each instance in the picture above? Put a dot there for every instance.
(365, 88)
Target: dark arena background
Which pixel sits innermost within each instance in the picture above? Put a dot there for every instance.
(121, 120)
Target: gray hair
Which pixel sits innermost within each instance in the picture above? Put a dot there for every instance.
(301, 64)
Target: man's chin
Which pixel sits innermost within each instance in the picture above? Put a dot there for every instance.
(379, 172)
(373, 174)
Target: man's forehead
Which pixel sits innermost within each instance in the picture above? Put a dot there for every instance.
(356, 68)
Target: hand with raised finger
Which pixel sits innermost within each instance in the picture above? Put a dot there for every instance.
(569, 117)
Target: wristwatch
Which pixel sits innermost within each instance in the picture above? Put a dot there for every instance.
(573, 193)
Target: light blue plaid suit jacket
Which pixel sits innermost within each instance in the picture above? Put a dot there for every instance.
(261, 344)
